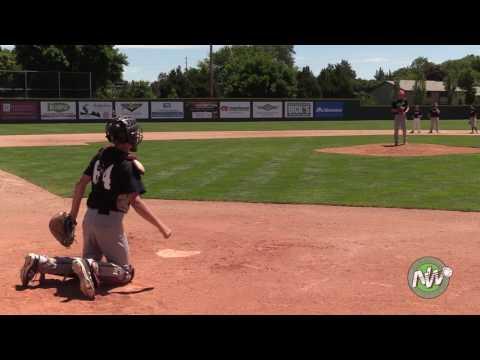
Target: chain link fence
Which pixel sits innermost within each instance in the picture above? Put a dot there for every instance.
(45, 84)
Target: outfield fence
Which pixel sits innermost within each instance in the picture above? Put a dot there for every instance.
(95, 110)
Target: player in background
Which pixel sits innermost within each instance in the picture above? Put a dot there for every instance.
(434, 118)
(416, 124)
(400, 109)
(472, 119)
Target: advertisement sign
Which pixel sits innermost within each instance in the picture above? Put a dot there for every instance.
(94, 110)
(19, 110)
(137, 109)
(166, 110)
(299, 109)
(263, 110)
(203, 109)
(58, 110)
(328, 109)
(235, 109)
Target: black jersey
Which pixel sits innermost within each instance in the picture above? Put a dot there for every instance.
(400, 104)
(112, 174)
(435, 112)
(417, 114)
(473, 113)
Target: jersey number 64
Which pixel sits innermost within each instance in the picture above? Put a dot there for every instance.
(104, 174)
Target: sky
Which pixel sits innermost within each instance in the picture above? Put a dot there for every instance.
(147, 61)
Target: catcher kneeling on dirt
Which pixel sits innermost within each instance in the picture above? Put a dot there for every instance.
(115, 175)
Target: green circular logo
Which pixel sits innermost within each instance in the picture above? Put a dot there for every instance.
(428, 277)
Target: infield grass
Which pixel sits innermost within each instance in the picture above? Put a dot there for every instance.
(285, 170)
(65, 128)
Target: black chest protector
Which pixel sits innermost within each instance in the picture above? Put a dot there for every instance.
(113, 178)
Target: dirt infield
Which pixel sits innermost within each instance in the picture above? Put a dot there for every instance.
(83, 139)
(237, 258)
(402, 150)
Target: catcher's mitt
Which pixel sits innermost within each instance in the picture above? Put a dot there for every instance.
(62, 227)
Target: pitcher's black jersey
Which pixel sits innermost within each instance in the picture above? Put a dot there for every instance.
(112, 174)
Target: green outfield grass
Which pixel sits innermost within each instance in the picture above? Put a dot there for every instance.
(275, 170)
(62, 128)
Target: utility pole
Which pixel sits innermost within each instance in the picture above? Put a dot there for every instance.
(211, 71)
(186, 63)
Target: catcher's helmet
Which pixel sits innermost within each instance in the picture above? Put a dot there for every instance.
(124, 129)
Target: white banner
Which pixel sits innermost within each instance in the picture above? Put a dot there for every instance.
(137, 109)
(58, 110)
(166, 110)
(271, 109)
(235, 109)
(202, 115)
(299, 109)
(94, 110)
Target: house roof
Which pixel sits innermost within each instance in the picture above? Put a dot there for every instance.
(408, 85)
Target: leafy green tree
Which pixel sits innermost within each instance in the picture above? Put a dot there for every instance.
(8, 62)
(419, 91)
(453, 71)
(338, 81)
(380, 75)
(466, 82)
(105, 62)
(253, 72)
(283, 53)
(307, 84)
(137, 90)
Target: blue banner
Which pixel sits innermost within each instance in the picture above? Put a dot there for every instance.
(328, 109)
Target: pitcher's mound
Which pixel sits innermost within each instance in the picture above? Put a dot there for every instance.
(401, 150)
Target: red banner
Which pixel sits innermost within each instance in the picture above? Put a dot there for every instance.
(19, 110)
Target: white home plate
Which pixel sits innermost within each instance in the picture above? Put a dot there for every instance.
(170, 253)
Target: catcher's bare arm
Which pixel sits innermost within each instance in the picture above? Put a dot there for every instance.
(141, 208)
(78, 192)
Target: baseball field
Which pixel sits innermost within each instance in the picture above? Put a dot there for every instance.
(268, 217)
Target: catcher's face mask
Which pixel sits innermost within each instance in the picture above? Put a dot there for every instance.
(124, 130)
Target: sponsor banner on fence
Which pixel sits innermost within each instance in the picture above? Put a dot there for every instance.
(328, 109)
(166, 110)
(203, 109)
(299, 109)
(19, 110)
(95, 110)
(235, 109)
(58, 110)
(137, 109)
(270, 109)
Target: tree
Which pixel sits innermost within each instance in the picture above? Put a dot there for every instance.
(10, 80)
(419, 88)
(419, 91)
(253, 72)
(105, 62)
(453, 70)
(337, 81)
(307, 84)
(434, 72)
(380, 75)
(283, 53)
(466, 82)
(137, 90)
(8, 60)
